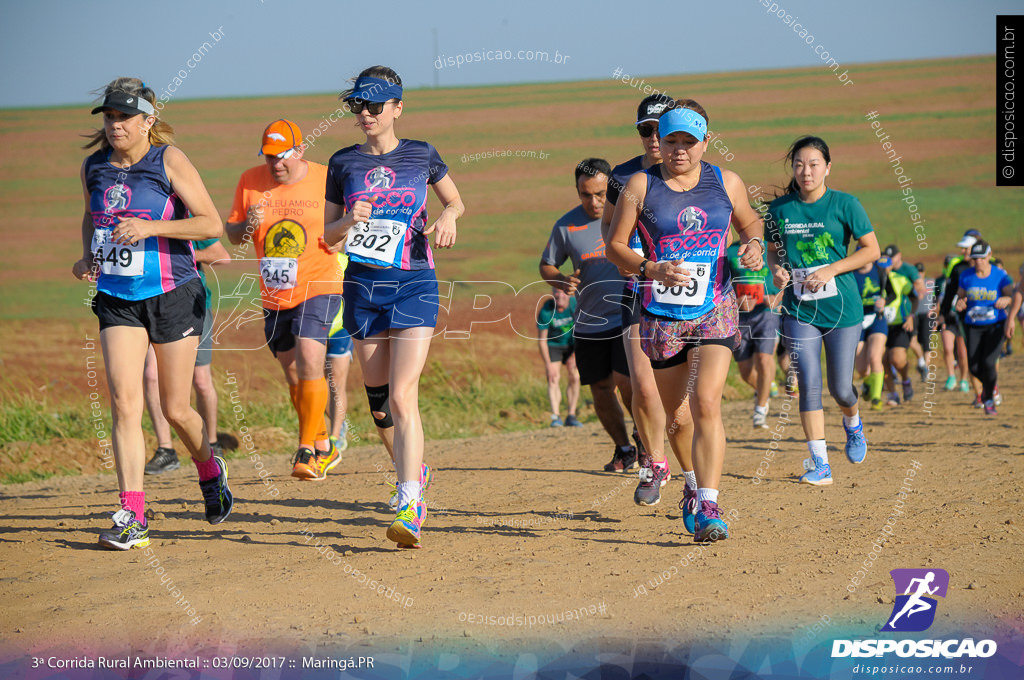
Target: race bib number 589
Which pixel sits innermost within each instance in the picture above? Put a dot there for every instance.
(691, 294)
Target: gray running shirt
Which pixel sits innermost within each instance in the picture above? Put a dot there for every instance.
(599, 307)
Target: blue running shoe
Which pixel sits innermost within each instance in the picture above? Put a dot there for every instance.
(688, 505)
(556, 421)
(709, 524)
(819, 475)
(856, 444)
(571, 421)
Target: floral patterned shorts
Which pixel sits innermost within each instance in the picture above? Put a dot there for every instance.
(663, 339)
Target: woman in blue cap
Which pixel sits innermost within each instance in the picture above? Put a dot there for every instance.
(683, 210)
(810, 229)
(983, 296)
(377, 206)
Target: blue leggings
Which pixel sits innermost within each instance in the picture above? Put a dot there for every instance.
(803, 342)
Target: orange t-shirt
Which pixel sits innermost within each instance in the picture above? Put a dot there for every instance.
(293, 268)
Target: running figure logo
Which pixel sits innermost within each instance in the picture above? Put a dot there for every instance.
(117, 197)
(380, 178)
(914, 611)
(692, 218)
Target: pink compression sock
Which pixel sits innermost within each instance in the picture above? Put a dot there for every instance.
(136, 502)
(208, 469)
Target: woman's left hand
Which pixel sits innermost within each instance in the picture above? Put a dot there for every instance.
(817, 280)
(752, 257)
(443, 230)
(131, 230)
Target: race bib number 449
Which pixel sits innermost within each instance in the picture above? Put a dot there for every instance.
(117, 259)
(376, 240)
(691, 294)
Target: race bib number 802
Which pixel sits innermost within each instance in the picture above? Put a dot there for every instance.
(376, 240)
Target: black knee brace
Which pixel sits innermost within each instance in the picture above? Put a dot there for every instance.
(380, 402)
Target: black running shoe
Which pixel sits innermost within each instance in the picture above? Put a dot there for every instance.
(622, 460)
(217, 495)
(164, 460)
(127, 532)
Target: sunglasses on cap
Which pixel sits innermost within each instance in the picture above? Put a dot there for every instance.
(647, 129)
(357, 106)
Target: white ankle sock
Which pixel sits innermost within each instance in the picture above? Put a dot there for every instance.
(707, 495)
(691, 479)
(763, 410)
(408, 492)
(852, 421)
(818, 449)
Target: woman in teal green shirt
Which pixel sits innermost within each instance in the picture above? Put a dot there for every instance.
(809, 232)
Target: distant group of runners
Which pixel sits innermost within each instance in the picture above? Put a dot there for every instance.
(660, 300)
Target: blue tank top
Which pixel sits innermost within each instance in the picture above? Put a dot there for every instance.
(154, 265)
(687, 225)
(396, 184)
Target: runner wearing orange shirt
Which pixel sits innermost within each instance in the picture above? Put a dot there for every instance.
(281, 204)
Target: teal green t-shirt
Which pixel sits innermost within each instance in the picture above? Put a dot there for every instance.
(745, 282)
(559, 324)
(203, 245)
(810, 236)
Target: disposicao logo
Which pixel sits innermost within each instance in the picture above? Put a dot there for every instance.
(914, 611)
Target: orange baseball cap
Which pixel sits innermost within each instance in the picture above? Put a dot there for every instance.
(279, 137)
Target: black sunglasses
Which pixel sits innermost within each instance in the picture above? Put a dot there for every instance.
(647, 129)
(357, 106)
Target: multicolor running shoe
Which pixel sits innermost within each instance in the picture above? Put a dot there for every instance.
(304, 464)
(217, 495)
(405, 530)
(127, 532)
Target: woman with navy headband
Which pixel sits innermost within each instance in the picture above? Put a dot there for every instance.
(683, 210)
(377, 207)
(144, 204)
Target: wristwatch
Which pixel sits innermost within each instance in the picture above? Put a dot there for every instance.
(643, 267)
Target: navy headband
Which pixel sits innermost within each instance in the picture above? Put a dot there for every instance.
(375, 90)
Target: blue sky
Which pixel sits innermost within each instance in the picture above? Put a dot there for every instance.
(58, 52)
